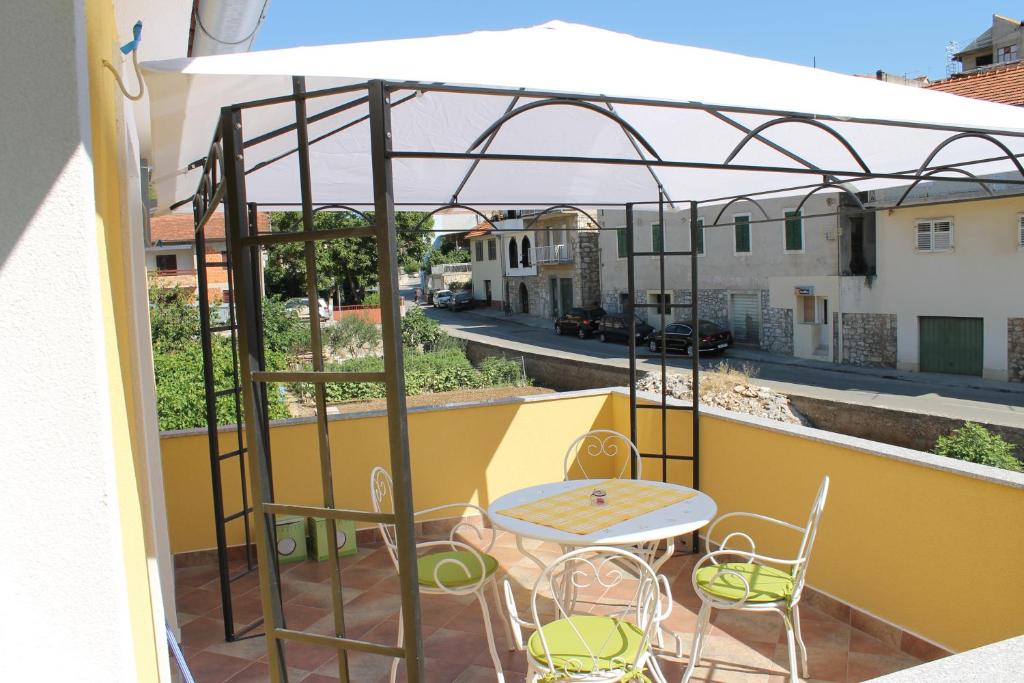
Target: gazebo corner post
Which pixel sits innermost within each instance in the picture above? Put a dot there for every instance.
(317, 357)
(397, 416)
(250, 344)
(695, 345)
(631, 316)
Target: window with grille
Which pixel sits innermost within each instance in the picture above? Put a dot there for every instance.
(741, 233)
(622, 247)
(794, 231)
(492, 250)
(657, 238)
(934, 235)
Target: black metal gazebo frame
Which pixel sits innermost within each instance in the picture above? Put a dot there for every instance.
(223, 183)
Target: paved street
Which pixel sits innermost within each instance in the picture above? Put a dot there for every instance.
(948, 395)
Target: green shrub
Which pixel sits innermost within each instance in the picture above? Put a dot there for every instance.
(283, 331)
(173, 319)
(372, 299)
(974, 443)
(353, 334)
(419, 331)
(502, 372)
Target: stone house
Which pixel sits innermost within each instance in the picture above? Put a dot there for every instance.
(1000, 43)
(541, 264)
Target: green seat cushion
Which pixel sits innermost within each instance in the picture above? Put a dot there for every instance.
(612, 642)
(451, 574)
(767, 584)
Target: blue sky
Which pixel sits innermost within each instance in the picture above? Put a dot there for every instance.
(906, 37)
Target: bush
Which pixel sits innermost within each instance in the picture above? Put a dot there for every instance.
(372, 299)
(283, 331)
(352, 334)
(502, 372)
(419, 331)
(974, 443)
(173, 319)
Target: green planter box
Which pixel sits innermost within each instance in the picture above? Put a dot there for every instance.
(318, 537)
(291, 539)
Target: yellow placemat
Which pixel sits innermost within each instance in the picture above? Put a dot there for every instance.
(573, 512)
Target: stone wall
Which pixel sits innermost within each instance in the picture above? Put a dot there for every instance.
(869, 339)
(713, 305)
(588, 267)
(1015, 349)
(777, 330)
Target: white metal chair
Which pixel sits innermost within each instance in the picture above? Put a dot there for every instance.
(600, 443)
(449, 567)
(755, 585)
(611, 645)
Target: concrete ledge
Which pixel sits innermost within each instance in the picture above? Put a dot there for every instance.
(996, 663)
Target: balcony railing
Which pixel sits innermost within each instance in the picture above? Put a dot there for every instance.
(556, 253)
(174, 273)
(451, 268)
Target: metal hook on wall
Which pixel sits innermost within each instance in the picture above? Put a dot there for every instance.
(131, 47)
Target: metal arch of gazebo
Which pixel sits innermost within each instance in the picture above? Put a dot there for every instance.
(224, 182)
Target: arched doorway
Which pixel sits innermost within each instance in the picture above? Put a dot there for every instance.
(524, 298)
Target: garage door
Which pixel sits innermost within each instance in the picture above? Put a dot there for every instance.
(952, 345)
(745, 317)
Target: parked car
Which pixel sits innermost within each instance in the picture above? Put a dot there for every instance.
(582, 322)
(300, 307)
(442, 298)
(678, 337)
(462, 299)
(615, 327)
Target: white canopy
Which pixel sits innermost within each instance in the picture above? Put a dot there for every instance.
(893, 128)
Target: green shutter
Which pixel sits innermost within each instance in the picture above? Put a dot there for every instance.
(742, 229)
(794, 231)
(657, 241)
(623, 248)
(700, 235)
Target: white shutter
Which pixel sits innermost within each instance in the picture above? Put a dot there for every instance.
(1020, 231)
(942, 235)
(924, 236)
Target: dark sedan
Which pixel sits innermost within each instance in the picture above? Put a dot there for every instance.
(615, 327)
(582, 322)
(678, 337)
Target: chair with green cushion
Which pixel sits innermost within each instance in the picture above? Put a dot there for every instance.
(449, 567)
(756, 583)
(613, 644)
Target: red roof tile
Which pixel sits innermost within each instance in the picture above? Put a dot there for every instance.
(1003, 84)
(180, 227)
(480, 229)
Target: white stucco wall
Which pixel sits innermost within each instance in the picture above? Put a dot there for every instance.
(720, 267)
(62, 580)
(981, 277)
(487, 269)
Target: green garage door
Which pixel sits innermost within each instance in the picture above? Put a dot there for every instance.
(952, 345)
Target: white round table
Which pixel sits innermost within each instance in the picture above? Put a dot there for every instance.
(662, 524)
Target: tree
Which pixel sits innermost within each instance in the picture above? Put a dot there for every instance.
(448, 253)
(346, 266)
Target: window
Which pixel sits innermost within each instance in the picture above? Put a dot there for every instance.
(479, 250)
(1005, 55)
(492, 249)
(794, 231)
(700, 235)
(663, 302)
(622, 246)
(513, 254)
(934, 235)
(165, 262)
(526, 252)
(741, 234)
(657, 238)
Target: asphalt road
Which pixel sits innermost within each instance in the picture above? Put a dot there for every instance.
(957, 397)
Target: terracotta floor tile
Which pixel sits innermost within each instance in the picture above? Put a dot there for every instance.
(362, 666)
(305, 657)
(201, 632)
(748, 626)
(259, 672)
(210, 667)
(823, 664)
(198, 600)
(866, 644)
(863, 667)
(194, 577)
(822, 634)
(252, 649)
(307, 571)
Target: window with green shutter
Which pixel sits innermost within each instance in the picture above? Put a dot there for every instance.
(794, 231)
(623, 247)
(700, 235)
(657, 239)
(741, 230)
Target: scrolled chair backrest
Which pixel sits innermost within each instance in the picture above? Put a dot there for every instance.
(810, 532)
(574, 582)
(382, 497)
(598, 444)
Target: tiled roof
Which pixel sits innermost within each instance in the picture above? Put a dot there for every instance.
(180, 227)
(982, 42)
(479, 230)
(1003, 84)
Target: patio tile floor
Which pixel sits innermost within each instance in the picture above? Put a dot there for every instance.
(741, 647)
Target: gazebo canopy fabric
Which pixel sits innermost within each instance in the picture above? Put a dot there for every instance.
(690, 106)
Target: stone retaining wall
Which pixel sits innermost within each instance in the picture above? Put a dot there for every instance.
(1015, 349)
